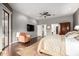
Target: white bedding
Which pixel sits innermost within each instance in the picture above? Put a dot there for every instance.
(50, 45)
(72, 44)
(72, 47)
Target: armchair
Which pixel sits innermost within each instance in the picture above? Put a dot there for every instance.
(23, 37)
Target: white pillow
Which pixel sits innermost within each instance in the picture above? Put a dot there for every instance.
(72, 35)
(77, 37)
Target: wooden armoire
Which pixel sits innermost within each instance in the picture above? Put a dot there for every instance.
(64, 28)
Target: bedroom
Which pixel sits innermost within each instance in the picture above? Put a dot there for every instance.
(47, 20)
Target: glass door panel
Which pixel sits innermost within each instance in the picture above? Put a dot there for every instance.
(6, 28)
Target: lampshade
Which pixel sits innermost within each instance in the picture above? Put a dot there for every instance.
(48, 27)
(17, 34)
(76, 27)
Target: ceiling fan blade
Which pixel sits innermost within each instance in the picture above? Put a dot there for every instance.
(45, 13)
(48, 14)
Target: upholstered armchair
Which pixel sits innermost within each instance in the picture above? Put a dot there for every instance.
(23, 37)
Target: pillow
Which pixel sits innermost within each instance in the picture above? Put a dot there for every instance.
(77, 37)
(70, 33)
(73, 35)
(77, 32)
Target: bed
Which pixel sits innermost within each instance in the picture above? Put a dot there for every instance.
(72, 43)
(53, 44)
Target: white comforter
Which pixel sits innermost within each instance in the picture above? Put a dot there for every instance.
(50, 45)
(72, 47)
(72, 43)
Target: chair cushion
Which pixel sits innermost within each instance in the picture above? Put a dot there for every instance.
(23, 34)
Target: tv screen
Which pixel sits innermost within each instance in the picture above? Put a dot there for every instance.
(30, 27)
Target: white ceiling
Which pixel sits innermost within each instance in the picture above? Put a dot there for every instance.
(34, 9)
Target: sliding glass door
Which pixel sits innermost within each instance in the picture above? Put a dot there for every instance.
(5, 28)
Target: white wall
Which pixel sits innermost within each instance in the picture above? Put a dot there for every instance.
(19, 24)
(57, 20)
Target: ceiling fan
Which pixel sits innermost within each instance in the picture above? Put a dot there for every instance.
(45, 14)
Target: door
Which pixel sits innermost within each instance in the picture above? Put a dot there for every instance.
(39, 30)
(5, 28)
(55, 28)
(64, 28)
(44, 30)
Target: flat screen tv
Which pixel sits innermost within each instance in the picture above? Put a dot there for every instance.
(30, 27)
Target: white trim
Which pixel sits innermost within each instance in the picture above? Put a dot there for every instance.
(4, 7)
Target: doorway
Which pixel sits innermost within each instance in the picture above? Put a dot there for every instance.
(55, 28)
(41, 30)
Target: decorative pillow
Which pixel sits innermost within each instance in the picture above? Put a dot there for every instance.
(72, 34)
(77, 32)
(77, 37)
